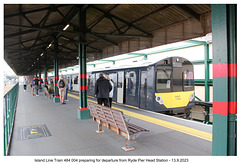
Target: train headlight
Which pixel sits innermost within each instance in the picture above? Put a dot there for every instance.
(159, 100)
(192, 96)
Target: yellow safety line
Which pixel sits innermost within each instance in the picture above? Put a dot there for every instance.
(112, 102)
(194, 132)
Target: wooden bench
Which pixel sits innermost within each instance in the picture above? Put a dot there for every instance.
(114, 119)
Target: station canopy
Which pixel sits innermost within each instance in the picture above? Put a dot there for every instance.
(30, 31)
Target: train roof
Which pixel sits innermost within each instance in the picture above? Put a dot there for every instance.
(133, 64)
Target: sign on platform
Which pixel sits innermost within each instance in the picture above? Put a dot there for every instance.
(31, 132)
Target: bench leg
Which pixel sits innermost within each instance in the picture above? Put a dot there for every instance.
(99, 131)
(128, 147)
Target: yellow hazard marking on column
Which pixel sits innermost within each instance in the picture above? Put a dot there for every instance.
(194, 132)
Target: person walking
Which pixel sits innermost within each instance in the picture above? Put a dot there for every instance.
(25, 84)
(102, 89)
(33, 86)
(45, 90)
(111, 92)
(51, 89)
(62, 89)
(36, 84)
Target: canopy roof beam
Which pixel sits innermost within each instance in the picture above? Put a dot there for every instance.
(189, 11)
(120, 19)
(32, 11)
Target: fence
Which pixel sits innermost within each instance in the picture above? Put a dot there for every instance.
(10, 101)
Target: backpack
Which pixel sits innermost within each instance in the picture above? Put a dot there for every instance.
(61, 84)
(50, 88)
(36, 81)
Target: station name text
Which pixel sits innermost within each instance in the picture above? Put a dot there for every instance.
(109, 160)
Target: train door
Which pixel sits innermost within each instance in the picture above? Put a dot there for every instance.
(120, 87)
(143, 89)
(132, 87)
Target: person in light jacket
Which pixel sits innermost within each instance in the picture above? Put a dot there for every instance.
(111, 92)
(25, 84)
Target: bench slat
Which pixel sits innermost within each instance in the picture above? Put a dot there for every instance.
(121, 127)
(110, 121)
(110, 117)
(102, 118)
(135, 129)
(115, 114)
(120, 123)
(133, 126)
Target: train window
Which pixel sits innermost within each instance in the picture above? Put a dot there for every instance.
(93, 80)
(119, 85)
(97, 76)
(120, 82)
(90, 80)
(143, 82)
(188, 79)
(165, 61)
(131, 83)
(163, 81)
(75, 80)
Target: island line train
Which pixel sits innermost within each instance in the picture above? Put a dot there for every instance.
(164, 86)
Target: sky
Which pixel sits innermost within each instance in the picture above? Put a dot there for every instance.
(7, 69)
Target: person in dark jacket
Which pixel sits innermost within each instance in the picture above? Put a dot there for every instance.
(102, 89)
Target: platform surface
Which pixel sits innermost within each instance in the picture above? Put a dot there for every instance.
(53, 129)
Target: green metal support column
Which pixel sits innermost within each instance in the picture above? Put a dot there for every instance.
(83, 111)
(40, 72)
(45, 74)
(224, 79)
(207, 93)
(56, 98)
(232, 79)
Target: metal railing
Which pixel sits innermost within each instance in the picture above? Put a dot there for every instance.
(10, 102)
(205, 113)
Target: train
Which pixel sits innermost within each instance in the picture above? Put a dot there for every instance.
(166, 85)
